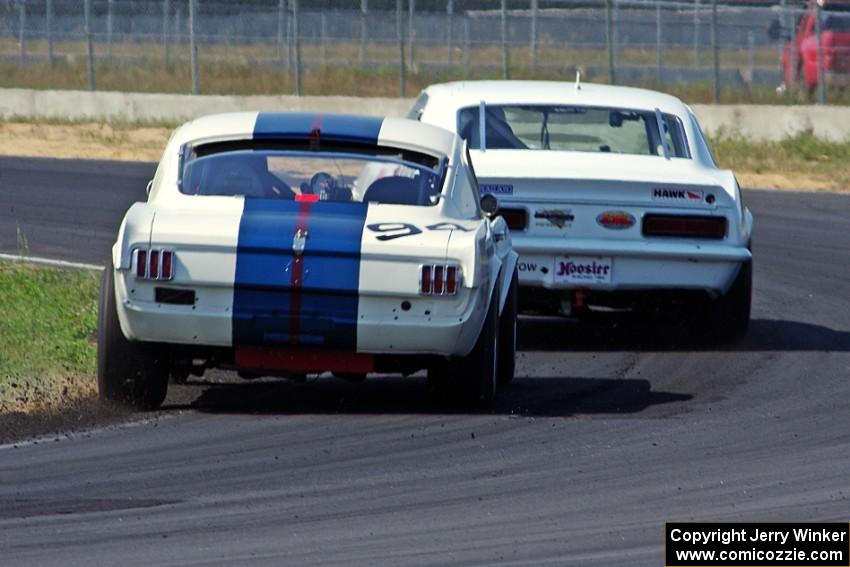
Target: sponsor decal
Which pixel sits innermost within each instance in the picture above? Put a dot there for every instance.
(615, 220)
(496, 189)
(583, 269)
(687, 195)
(562, 218)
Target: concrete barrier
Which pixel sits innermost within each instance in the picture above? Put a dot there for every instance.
(755, 122)
(149, 107)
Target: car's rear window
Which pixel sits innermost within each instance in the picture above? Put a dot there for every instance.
(306, 175)
(572, 128)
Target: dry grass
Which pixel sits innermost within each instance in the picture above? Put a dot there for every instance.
(334, 70)
(83, 141)
(800, 162)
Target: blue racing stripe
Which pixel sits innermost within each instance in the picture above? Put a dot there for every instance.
(271, 305)
(334, 127)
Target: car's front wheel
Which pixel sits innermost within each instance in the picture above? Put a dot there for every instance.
(129, 373)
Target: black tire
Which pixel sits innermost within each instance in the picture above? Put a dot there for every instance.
(129, 373)
(732, 311)
(507, 334)
(470, 381)
(727, 318)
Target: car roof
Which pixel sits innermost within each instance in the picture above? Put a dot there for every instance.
(340, 128)
(466, 93)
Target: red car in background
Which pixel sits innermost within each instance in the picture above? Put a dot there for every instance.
(800, 55)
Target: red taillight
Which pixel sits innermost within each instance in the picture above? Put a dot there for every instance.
(153, 272)
(154, 264)
(425, 278)
(439, 272)
(141, 263)
(451, 280)
(439, 279)
(684, 226)
(166, 265)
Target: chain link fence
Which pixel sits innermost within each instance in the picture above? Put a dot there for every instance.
(639, 42)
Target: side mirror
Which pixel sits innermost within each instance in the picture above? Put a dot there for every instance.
(149, 186)
(490, 205)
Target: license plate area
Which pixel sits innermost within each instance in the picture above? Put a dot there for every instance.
(583, 269)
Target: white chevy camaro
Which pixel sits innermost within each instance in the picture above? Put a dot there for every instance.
(289, 244)
(612, 195)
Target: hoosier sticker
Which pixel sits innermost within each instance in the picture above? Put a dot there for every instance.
(583, 269)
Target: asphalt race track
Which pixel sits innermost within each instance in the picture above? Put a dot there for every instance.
(609, 430)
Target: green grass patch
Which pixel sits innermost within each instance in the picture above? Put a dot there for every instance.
(48, 327)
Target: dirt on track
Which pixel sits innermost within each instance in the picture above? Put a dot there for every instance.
(54, 404)
(83, 141)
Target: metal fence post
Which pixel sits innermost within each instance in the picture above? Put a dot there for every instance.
(658, 69)
(467, 42)
(450, 12)
(792, 60)
(281, 24)
(178, 25)
(609, 38)
(751, 56)
(296, 33)
(48, 16)
(289, 10)
(697, 45)
(535, 5)
(783, 24)
(193, 46)
(323, 36)
(411, 30)
(166, 10)
(615, 15)
(22, 36)
(110, 7)
(364, 12)
(506, 55)
(715, 52)
(821, 83)
(402, 71)
(89, 45)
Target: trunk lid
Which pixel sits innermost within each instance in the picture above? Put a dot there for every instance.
(600, 196)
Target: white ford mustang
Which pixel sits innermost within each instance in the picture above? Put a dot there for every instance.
(289, 244)
(612, 195)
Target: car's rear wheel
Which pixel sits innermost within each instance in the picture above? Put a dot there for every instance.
(507, 334)
(128, 373)
(470, 381)
(727, 318)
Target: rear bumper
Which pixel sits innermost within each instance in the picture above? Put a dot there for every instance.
(444, 326)
(708, 266)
